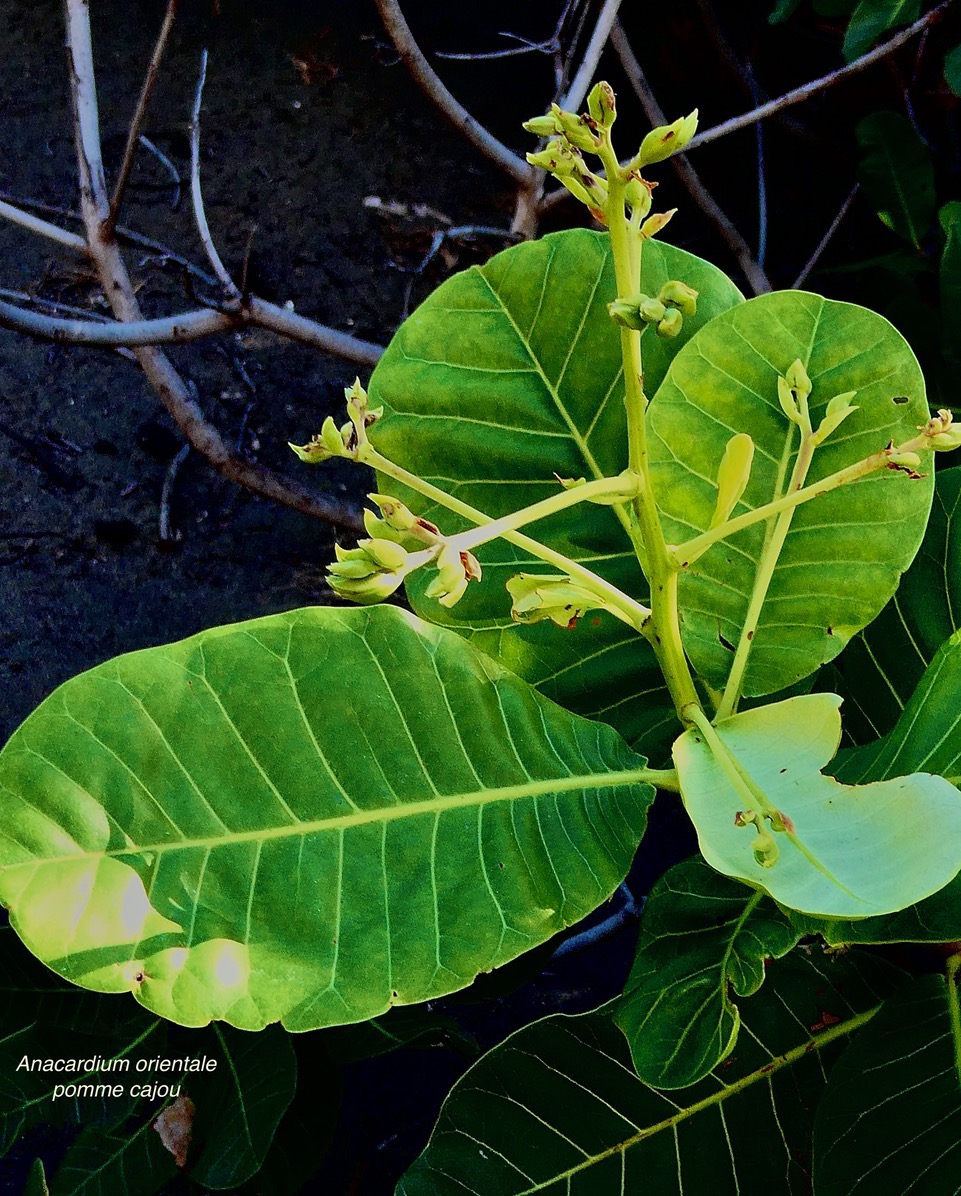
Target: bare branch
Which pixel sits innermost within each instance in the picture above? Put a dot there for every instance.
(753, 272)
(115, 280)
(136, 123)
(35, 225)
(805, 92)
(574, 96)
(825, 240)
(231, 291)
(427, 79)
(166, 163)
(168, 533)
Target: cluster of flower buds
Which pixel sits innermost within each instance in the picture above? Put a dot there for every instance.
(539, 596)
(763, 846)
(733, 475)
(941, 432)
(665, 312)
(570, 135)
(399, 543)
(344, 441)
(793, 392)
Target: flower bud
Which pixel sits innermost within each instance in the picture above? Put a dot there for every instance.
(653, 224)
(733, 475)
(542, 126)
(798, 380)
(638, 195)
(354, 570)
(537, 597)
(394, 513)
(601, 105)
(574, 129)
(666, 140)
(387, 554)
(679, 295)
(836, 412)
(670, 326)
(652, 310)
(556, 157)
(908, 460)
(787, 400)
(942, 432)
(765, 849)
(627, 313)
(367, 591)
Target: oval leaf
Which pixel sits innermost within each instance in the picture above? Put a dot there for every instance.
(845, 550)
(850, 854)
(897, 175)
(308, 817)
(507, 375)
(702, 935)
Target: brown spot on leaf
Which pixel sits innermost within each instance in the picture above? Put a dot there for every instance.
(175, 1127)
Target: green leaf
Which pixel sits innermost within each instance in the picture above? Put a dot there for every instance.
(884, 664)
(952, 69)
(702, 935)
(896, 174)
(871, 18)
(845, 550)
(104, 1163)
(413, 1025)
(37, 1181)
(890, 1120)
(240, 1104)
(782, 10)
(950, 282)
(507, 375)
(308, 817)
(557, 1108)
(847, 854)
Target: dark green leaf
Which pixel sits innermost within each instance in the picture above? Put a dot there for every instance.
(510, 374)
(37, 1181)
(890, 1120)
(702, 935)
(896, 174)
(105, 1163)
(782, 10)
(312, 816)
(557, 1108)
(871, 18)
(950, 285)
(845, 551)
(952, 70)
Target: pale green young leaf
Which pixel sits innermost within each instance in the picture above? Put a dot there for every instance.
(509, 374)
(703, 937)
(846, 550)
(849, 854)
(890, 1120)
(308, 817)
(896, 174)
(556, 1109)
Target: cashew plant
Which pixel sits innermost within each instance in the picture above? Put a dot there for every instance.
(637, 518)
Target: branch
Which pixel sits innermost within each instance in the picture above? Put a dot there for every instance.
(428, 81)
(825, 240)
(574, 96)
(231, 291)
(753, 272)
(136, 123)
(805, 92)
(117, 287)
(44, 228)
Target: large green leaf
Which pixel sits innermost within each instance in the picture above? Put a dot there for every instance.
(507, 375)
(871, 18)
(557, 1108)
(890, 1120)
(106, 1162)
(845, 550)
(896, 174)
(884, 664)
(702, 935)
(845, 852)
(308, 817)
(928, 737)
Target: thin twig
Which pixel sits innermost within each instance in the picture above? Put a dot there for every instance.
(168, 534)
(117, 286)
(231, 290)
(167, 164)
(429, 82)
(574, 96)
(136, 123)
(189, 326)
(756, 277)
(823, 243)
(807, 90)
(35, 225)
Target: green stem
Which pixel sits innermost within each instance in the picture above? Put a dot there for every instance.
(951, 973)
(685, 554)
(620, 487)
(663, 630)
(762, 583)
(634, 612)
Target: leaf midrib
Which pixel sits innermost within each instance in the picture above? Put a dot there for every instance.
(436, 806)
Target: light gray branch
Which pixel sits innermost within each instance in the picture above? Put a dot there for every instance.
(430, 83)
(117, 286)
(231, 291)
(574, 96)
(807, 90)
(35, 225)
